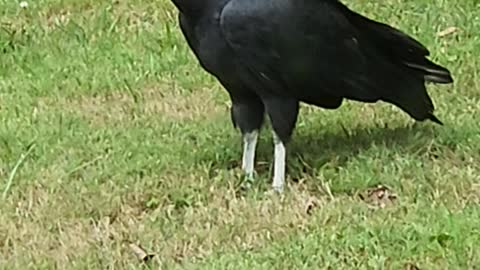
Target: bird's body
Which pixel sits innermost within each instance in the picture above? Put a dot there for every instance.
(270, 55)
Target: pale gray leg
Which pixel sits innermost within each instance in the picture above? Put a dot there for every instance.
(249, 147)
(279, 164)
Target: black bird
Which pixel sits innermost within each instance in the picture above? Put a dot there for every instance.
(270, 55)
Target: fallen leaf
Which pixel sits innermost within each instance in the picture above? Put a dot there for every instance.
(411, 266)
(311, 204)
(379, 196)
(141, 254)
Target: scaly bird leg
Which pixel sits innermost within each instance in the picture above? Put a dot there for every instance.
(279, 164)
(249, 147)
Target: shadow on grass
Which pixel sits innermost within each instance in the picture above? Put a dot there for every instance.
(317, 148)
(311, 149)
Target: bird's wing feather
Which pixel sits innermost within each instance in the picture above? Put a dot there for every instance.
(292, 47)
(312, 49)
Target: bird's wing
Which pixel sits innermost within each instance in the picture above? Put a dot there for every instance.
(306, 49)
(312, 49)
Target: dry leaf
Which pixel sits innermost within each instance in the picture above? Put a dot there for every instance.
(311, 204)
(141, 254)
(411, 266)
(380, 196)
(448, 31)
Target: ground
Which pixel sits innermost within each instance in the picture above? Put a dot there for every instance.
(112, 137)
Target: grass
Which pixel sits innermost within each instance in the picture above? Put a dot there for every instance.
(110, 134)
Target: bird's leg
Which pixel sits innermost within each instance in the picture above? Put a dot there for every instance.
(247, 114)
(279, 164)
(249, 147)
(283, 114)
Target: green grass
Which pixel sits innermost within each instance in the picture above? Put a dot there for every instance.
(125, 139)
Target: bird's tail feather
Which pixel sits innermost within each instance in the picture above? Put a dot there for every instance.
(403, 49)
(431, 71)
(409, 57)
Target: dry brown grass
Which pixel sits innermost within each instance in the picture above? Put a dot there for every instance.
(35, 232)
(116, 108)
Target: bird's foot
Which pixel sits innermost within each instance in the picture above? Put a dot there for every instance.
(247, 181)
(278, 188)
(275, 191)
(278, 183)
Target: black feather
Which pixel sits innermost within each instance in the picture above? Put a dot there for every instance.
(272, 54)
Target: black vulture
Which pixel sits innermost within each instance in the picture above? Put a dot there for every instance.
(270, 55)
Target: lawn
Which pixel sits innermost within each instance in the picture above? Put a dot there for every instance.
(112, 136)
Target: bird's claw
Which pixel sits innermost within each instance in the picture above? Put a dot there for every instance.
(278, 189)
(247, 182)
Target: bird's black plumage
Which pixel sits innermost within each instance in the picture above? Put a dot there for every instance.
(272, 54)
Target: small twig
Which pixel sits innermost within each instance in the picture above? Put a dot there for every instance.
(84, 165)
(15, 169)
(448, 31)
